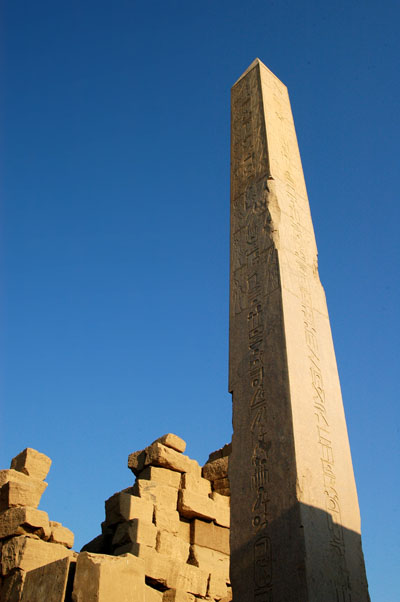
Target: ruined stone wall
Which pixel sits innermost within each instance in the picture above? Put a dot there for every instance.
(164, 539)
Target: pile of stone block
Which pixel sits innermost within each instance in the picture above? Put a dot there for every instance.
(35, 552)
(176, 520)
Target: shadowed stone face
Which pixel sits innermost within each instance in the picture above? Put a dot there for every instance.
(295, 525)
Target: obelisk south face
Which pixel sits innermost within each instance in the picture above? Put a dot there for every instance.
(295, 524)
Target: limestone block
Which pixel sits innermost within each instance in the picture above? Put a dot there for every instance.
(163, 476)
(15, 521)
(61, 534)
(166, 520)
(159, 495)
(210, 560)
(160, 455)
(184, 530)
(192, 505)
(47, 583)
(136, 461)
(195, 484)
(173, 441)
(218, 469)
(123, 506)
(217, 586)
(152, 595)
(171, 545)
(32, 463)
(14, 493)
(27, 554)
(11, 587)
(210, 536)
(135, 531)
(102, 578)
(222, 509)
(174, 595)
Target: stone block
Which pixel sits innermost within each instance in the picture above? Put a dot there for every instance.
(135, 531)
(96, 545)
(192, 505)
(170, 573)
(27, 554)
(102, 578)
(184, 530)
(217, 586)
(32, 463)
(172, 441)
(174, 595)
(166, 520)
(222, 509)
(158, 454)
(123, 506)
(152, 595)
(47, 583)
(196, 484)
(18, 520)
(11, 586)
(61, 534)
(210, 536)
(210, 560)
(162, 476)
(173, 546)
(218, 469)
(14, 493)
(220, 453)
(136, 461)
(158, 495)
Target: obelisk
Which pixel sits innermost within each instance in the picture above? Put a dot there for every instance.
(295, 522)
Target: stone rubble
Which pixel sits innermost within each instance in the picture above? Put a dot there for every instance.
(164, 539)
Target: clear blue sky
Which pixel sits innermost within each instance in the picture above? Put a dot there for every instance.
(115, 217)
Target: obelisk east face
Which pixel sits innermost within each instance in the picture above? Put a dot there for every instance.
(295, 523)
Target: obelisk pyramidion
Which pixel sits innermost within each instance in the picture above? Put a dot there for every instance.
(295, 522)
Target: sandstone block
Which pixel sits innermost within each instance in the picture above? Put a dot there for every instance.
(60, 534)
(220, 453)
(101, 578)
(96, 546)
(159, 495)
(173, 546)
(135, 531)
(18, 520)
(152, 595)
(184, 530)
(32, 463)
(218, 469)
(158, 454)
(196, 484)
(175, 575)
(172, 441)
(162, 476)
(47, 583)
(14, 493)
(27, 554)
(217, 586)
(210, 536)
(166, 520)
(123, 506)
(136, 461)
(11, 587)
(174, 595)
(210, 560)
(192, 505)
(222, 509)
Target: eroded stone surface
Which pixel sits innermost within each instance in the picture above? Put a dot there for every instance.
(27, 554)
(47, 583)
(16, 493)
(18, 520)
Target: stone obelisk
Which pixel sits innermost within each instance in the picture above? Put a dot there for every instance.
(295, 522)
